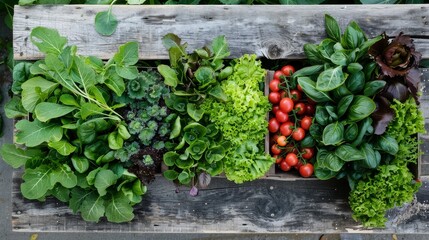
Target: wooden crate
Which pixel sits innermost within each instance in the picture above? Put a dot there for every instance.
(273, 32)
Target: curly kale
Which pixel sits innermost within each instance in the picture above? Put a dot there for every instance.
(146, 86)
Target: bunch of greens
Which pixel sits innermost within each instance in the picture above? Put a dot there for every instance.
(342, 77)
(73, 130)
(241, 120)
(197, 145)
(148, 121)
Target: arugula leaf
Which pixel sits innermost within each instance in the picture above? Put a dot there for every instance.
(119, 209)
(34, 133)
(17, 157)
(36, 182)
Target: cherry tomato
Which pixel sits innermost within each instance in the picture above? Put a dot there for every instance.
(307, 153)
(286, 105)
(306, 170)
(273, 125)
(299, 87)
(275, 149)
(278, 158)
(275, 108)
(274, 138)
(274, 97)
(298, 134)
(281, 116)
(298, 165)
(291, 159)
(283, 93)
(300, 108)
(306, 122)
(286, 128)
(284, 166)
(274, 85)
(282, 141)
(310, 109)
(288, 70)
(278, 75)
(295, 95)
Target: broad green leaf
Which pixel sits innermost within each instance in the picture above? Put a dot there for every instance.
(194, 112)
(77, 197)
(171, 40)
(309, 88)
(135, 2)
(115, 141)
(339, 58)
(214, 154)
(105, 23)
(205, 76)
(69, 100)
(351, 38)
(46, 111)
(117, 85)
(171, 175)
(21, 73)
(370, 160)
(388, 144)
(47, 40)
(184, 177)
(98, 94)
(220, 48)
(344, 104)
(89, 109)
(177, 127)
(127, 72)
(17, 157)
(333, 134)
(169, 75)
(354, 67)
(128, 54)
(92, 207)
(32, 92)
(332, 28)
(26, 2)
(14, 108)
(218, 93)
(80, 163)
(36, 182)
(348, 153)
(104, 179)
(330, 79)
(61, 193)
(373, 87)
(355, 82)
(308, 71)
(360, 108)
(83, 74)
(169, 158)
(63, 175)
(34, 133)
(63, 147)
(86, 132)
(119, 209)
(323, 173)
(313, 54)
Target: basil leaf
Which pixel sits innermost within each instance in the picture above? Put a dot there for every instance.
(348, 153)
(373, 87)
(309, 88)
(360, 108)
(344, 104)
(332, 28)
(330, 79)
(333, 134)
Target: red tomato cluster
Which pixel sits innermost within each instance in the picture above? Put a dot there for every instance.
(290, 120)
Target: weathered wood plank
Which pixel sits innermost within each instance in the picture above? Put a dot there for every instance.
(269, 31)
(261, 206)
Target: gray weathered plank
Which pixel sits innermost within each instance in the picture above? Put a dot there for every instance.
(269, 31)
(261, 206)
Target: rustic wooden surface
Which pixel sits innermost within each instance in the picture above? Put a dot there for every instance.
(270, 31)
(267, 205)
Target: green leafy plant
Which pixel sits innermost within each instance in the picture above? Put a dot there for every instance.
(343, 79)
(197, 145)
(73, 130)
(242, 120)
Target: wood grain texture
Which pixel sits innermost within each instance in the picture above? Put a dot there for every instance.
(269, 31)
(261, 206)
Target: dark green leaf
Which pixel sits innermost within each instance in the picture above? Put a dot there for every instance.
(36, 182)
(127, 72)
(348, 153)
(205, 76)
(21, 73)
(220, 48)
(47, 40)
(309, 88)
(308, 71)
(104, 179)
(171, 175)
(313, 54)
(184, 178)
(322, 115)
(339, 58)
(332, 28)
(177, 127)
(80, 163)
(388, 144)
(194, 112)
(169, 75)
(352, 132)
(330, 79)
(373, 87)
(61, 193)
(119, 209)
(356, 82)
(17, 157)
(115, 141)
(323, 173)
(333, 134)
(63, 175)
(360, 108)
(218, 93)
(354, 68)
(128, 54)
(370, 160)
(169, 158)
(344, 104)
(92, 207)
(14, 108)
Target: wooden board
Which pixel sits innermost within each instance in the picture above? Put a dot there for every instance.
(261, 206)
(269, 31)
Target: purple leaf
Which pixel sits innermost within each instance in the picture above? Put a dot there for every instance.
(204, 180)
(194, 191)
(395, 90)
(413, 79)
(382, 115)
